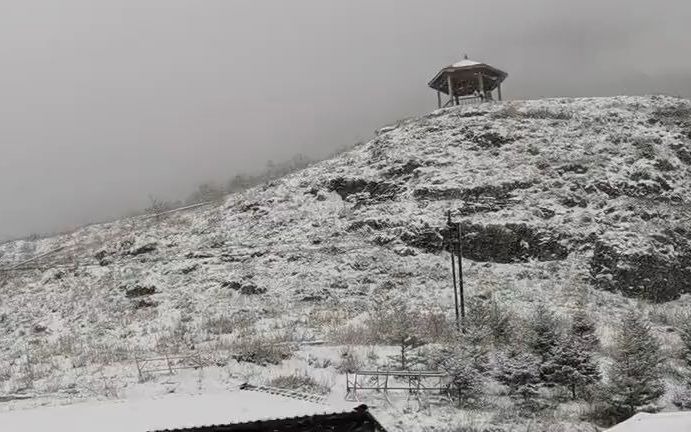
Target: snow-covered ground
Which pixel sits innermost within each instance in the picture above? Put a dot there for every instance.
(549, 191)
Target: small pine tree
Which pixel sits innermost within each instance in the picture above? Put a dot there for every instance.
(397, 325)
(682, 398)
(460, 364)
(520, 373)
(634, 378)
(489, 316)
(571, 365)
(543, 334)
(685, 333)
(583, 329)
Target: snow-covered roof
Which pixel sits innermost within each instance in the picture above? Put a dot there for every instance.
(465, 63)
(667, 422)
(170, 412)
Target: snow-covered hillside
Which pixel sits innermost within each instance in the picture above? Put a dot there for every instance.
(558, 199)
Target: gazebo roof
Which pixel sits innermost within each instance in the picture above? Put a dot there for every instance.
(466, 71)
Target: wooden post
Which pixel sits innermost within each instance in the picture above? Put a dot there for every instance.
(460, 270)
(481, 82)
(499, 91)
(438, 98)
(453, 269)
(449, 82)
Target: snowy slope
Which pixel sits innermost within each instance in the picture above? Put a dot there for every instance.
(555, 196)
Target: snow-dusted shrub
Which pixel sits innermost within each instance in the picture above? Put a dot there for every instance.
(490, 316)
(685, 335)
(543, 332)
(681, 396)
(222, 324)
(206, 192)
(508, 111)
(108, 353)
(395, 323)
(350, 361)
(635, 381)
(645, 146)
(460, 362)
(520, 372)
(548, 114)
(299, 381)
(261, 350)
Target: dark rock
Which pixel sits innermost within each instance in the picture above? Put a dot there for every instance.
(572, 168)
(490, 139)
(403, 170)
(493, 243)
(234, 285)
(499, 192)
(143, 249)
(651, 273)
(251, 289)
(199, 255)
(189, 269)
(144, 303)
(574, 200)
(39, 328)
(424, 238)
(246, 288)
(377, 190)
(375, 224)
(103, 258)
(140, 291)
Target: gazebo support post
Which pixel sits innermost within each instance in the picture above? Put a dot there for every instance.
(499, 92)
(449, 82)
(439, 98)
(481, 83)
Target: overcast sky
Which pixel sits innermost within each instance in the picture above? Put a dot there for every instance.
(103, 102)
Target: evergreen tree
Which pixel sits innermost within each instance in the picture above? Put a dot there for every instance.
(520, 373)
(685, 333)
(635, 379)
(489, 316)
(682, 398)
(572, 364)
(583, 329)
(461, 364)
(543, 334)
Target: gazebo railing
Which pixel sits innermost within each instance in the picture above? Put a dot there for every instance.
(464, 101)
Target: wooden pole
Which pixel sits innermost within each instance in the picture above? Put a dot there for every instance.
(460, 270)
(438, 98)
(499, 92)
(481, 82)
(453, 269)
(449, 82)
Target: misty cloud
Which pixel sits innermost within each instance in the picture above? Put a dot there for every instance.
(106, 102)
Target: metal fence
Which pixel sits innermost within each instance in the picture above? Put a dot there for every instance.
(412, 381)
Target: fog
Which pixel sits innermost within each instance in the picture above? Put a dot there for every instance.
(105, 102)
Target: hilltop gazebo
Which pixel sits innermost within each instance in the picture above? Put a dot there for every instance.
(467, 81)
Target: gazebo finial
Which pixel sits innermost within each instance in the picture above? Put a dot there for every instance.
(465, 56)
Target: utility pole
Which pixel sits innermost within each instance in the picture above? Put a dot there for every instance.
(453, 266)
(460, 269)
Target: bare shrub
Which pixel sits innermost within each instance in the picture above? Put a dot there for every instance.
(220, 325)
(107, 353)
(548, 114)
(508, 111)
(352, 334)
(299, 381)
(261, 350)
(350, 361)
(176, 339)
(645, 146)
